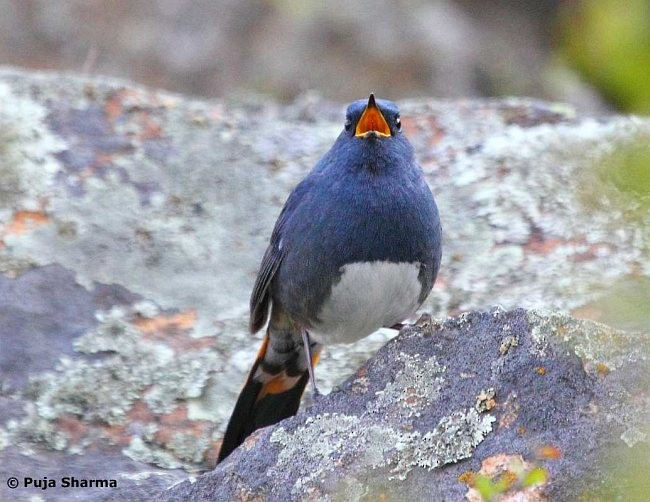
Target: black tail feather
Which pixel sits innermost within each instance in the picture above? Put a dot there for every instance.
(253, 412)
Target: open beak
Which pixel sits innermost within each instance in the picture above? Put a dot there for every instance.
(372, 122)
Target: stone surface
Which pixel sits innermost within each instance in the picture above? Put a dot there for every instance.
(446, 48)
(132, 223)
(445, 401)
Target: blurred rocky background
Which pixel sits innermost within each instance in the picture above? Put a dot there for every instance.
(592, 54)
(132, 220)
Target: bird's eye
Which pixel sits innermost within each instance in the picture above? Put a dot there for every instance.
(398, 123)
(348, 124)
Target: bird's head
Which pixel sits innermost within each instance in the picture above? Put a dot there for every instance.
(372, 140)
(372, 119)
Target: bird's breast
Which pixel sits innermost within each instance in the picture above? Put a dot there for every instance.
(368, 296)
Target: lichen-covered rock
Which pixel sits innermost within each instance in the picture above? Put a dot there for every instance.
(132, 223)
(443, 408)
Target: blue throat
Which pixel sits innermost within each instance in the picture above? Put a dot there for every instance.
(394, 156)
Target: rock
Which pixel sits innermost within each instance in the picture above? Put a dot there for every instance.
(132, 223)
(444, 48)
(443, 404)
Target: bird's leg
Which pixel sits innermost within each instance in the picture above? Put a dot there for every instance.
(310, 366)
(425, 320)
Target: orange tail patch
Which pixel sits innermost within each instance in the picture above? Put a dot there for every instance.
(265, 399)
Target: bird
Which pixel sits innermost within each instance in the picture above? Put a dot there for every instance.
(356, 247)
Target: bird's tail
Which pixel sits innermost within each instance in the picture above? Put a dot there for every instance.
(274, 386)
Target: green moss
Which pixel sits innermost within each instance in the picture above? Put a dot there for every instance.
(609, 43)
(624, 474)
(625, 305)
(629, 167)
(620, 179)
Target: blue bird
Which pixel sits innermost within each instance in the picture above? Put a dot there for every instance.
(356, 247)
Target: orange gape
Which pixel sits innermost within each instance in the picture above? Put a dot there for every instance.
(372, 120)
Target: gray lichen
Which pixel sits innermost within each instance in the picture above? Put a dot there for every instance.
(27, 147)
(632, 436)
(181, 220)
(103, 391)
(34, 429)
(602, 350)
(515, 232)
(507, 343)
(414, 387)
(452, 440)
(144, 452)
(591, 341)
(188, 447)
(366, 441)
(325, 440)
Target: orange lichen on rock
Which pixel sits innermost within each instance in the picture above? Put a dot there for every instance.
(23, 221)
(150, 128)
(118, 102)
(485, 400)
(73, 428)
(182, 321)
(549, 452)
(542, 246)
(602, 368)
(468, 478)
(427, 126)
(178, 421)
(588, 312)
(173, 329)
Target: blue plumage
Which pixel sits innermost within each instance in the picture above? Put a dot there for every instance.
(356, 247)
(366, 200)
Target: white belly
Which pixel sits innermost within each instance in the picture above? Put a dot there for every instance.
(368, 296)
